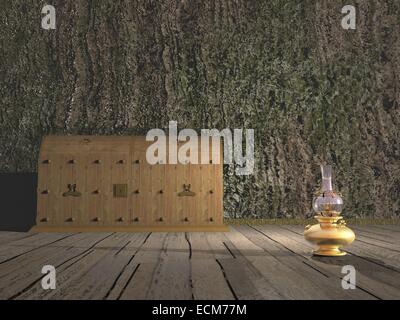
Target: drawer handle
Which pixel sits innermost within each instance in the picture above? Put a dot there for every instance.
(186, 191)
(46, 161)
(97, 219)
(72, 191)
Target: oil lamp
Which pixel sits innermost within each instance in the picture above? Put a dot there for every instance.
(331, 233)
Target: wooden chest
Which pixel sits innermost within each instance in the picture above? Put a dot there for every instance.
(104, 183)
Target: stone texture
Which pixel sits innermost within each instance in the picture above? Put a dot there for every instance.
(312, 91)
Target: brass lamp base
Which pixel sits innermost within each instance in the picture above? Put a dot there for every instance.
(329, 251)
(330, 234)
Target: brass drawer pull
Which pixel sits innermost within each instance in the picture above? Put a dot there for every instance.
(72, 161)
(97, 219)
(46, 219)
(71, 219)
(46, 161)
(98, 161)
(121, 161)
(72, 191)
(46, 191)
(186, 191)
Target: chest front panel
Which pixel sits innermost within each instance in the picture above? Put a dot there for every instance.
(106, 182)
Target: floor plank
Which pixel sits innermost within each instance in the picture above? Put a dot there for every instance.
(136, 280)
(364, 235)
(22, 273)
(163, 273)
(379, 232)
(171, 278)
(96, 281)
(248, 262)
(245, 281)
(77, 269)
(10, 236)
(207, 278)
(395, 228)
(373, 278)
(25, 245)
(281, 279)
(323, 285)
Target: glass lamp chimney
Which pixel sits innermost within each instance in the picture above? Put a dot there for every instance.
(326, 178)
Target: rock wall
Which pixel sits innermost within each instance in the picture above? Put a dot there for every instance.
(312, 91)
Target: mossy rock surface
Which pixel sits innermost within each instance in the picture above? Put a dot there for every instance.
(312, 91)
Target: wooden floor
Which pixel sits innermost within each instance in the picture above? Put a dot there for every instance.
(248, 262)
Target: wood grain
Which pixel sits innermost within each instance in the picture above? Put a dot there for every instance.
(302, 277)
(95, 164)
(371, 277)
(248, 262)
